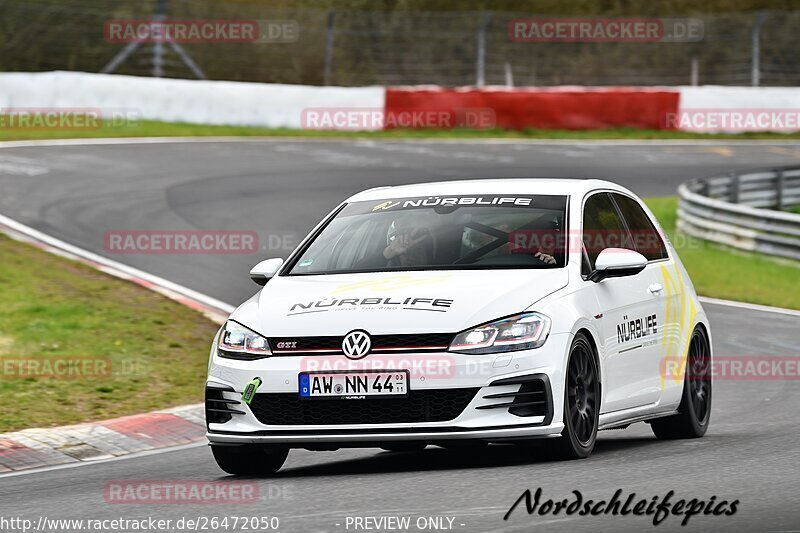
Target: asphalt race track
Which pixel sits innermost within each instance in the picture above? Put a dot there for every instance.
(280, 188)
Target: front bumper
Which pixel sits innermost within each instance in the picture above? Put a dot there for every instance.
(361, 437)
(514, 398)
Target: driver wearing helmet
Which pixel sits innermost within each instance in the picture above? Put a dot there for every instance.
(408, 245)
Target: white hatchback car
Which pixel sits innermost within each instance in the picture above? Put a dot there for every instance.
(463, 313)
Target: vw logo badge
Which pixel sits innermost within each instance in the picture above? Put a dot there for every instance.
(356, 344)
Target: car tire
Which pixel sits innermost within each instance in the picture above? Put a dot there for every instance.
(250, 459)
(581, 403)
(404, 447)
(694, 411)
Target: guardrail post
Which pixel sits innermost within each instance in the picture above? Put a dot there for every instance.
(755, 60)
(158, 46)
(779, 186)
(734, 188)
(480, 61)
(705, 188)
(329, 29)
(694, 75)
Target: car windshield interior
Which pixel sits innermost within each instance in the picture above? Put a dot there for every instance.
(440, 233)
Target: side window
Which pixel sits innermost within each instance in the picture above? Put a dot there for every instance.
(602, 227)
(646, 238)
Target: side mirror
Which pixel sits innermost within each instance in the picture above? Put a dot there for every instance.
(265, 270)
(616, 263)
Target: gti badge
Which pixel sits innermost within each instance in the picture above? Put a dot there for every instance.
(356, 344)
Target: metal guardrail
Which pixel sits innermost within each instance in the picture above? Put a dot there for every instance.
(743, 210)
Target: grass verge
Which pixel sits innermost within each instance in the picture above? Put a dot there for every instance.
(140, 350)
(721, 272)
(146, 128)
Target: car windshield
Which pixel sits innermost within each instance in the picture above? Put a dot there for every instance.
(440, 233)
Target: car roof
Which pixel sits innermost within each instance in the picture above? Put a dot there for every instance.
(551, 186)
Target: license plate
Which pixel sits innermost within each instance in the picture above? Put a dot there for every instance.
(353, 385)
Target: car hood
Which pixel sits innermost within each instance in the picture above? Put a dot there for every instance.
(391, 302)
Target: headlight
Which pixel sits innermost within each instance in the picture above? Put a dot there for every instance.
(520, 332)
(239, 342)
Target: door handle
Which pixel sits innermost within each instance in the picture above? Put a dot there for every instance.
(655, 288)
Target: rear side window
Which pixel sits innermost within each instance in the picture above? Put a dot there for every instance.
(645, 236)
(602, 227)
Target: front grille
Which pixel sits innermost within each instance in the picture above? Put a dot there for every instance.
(419, 406)
(380, 343)
(302, 344)
(386, 342)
